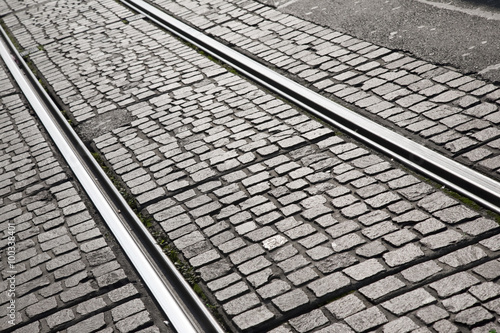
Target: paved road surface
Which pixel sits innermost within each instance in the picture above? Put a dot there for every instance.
(462, 33)
(274, 211)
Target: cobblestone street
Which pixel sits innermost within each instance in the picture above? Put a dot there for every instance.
(290, 225)
(454, 113)
(66, 274)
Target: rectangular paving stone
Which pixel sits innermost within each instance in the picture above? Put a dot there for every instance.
(382, 288)
(454, 284)
(409, 301)
(253, 318)
(367, 319)
(364, 270)
(403, 255)
(346, 306)
(329, 284)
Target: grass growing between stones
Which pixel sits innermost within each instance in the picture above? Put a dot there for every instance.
(472, 204)
(11, 36)
(187, 271)
(453, 194)
(338, 297)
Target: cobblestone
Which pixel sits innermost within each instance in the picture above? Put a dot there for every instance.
(381, 288)
(329, 284)
(403, 255)
(408, 302)
(307, 322)
(346, 306)
(366, 319)
(291, 300)
(454, 284)
(252, 317)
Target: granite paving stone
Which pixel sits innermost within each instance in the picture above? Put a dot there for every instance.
(473, 316)
(408, 302)
(403, 324)
(454, 284)
(291, 300)
(307, 322)
(382, 287)
(346, 306)
(252, 318)
(366, 319)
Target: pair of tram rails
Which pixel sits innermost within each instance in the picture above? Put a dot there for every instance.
(174, 296)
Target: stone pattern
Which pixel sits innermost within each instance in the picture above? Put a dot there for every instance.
(63, 274)
(273, 210)
(455, 113)
(419, 299)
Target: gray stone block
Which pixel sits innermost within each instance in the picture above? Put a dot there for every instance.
(133, 322)
(473, 316)
(459, 302)
(252, 318)
(403, 255)
(409, 301)
(345, 306)
(485, 291)
(381, 288)
(41, 307)
(124, 310)
(442, 239)
(367, 319)
(241, 304)
(400, 325)
(90, 306)
(254, 265)
(371, 249)
(274, 288)
(364, 270)
(454, 284)
(431, 314)
(88, 325)
(60, 317)
(489, 270)
(329, 284)
(291, 300)
(231, 291)
(421, 271)
(463, 256)
(309, 321)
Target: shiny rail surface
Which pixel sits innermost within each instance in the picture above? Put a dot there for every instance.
(182, 307)
(470, 183)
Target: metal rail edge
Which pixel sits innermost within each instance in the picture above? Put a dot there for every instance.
(172, 293)
(464, 180)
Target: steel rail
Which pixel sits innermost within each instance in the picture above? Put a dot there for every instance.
(174, 296)
(449, 173)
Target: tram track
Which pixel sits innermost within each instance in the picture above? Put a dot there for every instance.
(334, 114)
(451, 174)
(179, 303)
